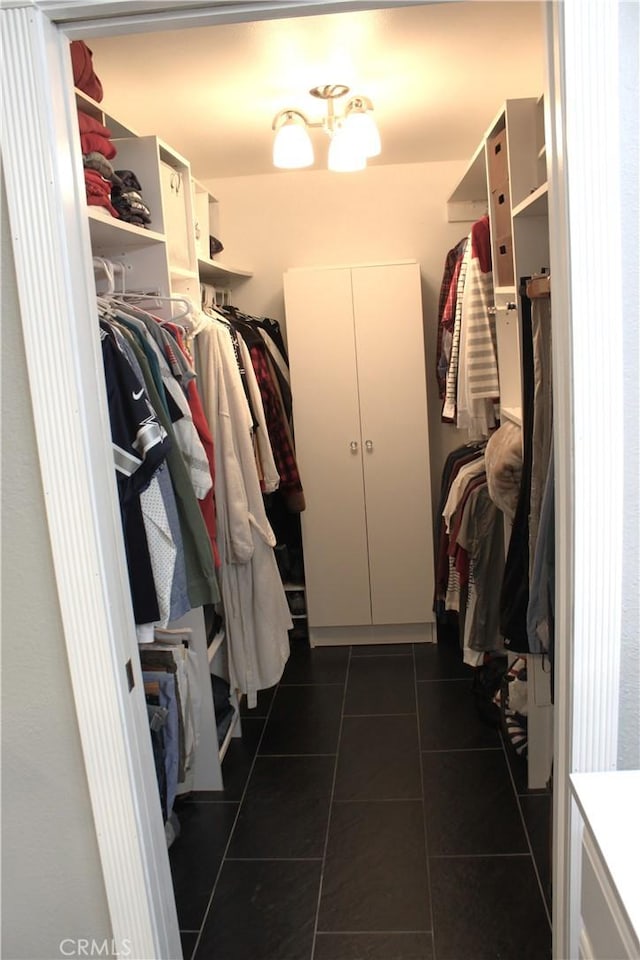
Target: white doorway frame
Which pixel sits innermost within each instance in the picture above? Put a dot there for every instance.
(53, 260)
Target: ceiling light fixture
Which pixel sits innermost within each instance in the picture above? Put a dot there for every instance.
(354, 134)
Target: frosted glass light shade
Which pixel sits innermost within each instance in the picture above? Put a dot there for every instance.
(292, 146)
(363, 126)
(345, 152)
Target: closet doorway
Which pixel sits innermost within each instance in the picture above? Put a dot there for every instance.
(52, 224)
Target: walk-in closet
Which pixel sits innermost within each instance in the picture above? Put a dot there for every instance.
(313, 569)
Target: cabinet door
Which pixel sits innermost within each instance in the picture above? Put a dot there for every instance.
(393, 412)
(174, 199)
(326, 420)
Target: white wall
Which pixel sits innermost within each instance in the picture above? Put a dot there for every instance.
(301, 218)
(51, 875)
(629, 731)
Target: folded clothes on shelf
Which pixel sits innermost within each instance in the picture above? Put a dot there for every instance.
(127, 199)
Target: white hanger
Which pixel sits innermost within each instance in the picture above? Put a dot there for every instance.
(177, 318)
(110, 269)
(105, 267)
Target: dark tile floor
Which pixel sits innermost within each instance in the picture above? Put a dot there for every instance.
(368, 814)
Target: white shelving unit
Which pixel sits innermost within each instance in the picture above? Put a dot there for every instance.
(165, 260)
(215, 270)
(506, 178)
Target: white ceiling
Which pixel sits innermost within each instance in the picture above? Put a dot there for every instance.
(436, 74)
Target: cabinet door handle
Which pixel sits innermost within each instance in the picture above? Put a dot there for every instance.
(354, 446)
(369, 445)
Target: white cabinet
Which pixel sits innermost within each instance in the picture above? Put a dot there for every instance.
(356, 347)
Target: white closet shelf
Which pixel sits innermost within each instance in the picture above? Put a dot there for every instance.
(473, 183)
(215, 270)
(291, 587)
(535, 205)
(469, 201)
(107, 232)
(514, 414)
(99, 112)
(182, 273)
(224, 746)
(88, 105)
(504, 291)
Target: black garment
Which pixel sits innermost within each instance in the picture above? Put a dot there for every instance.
(272, 327)
(514, 596)
(133, 423)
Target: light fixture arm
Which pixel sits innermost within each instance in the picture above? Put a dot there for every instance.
(287, 114)
(358, 104)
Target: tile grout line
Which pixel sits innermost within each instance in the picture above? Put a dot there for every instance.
(526, 832)
(464, 750)
(374, 716)
(280, 756)
(333, 790)
(424, 806)
(235, 821)
(272, 859)
(310, 683)
(446, 680)
(479, 856)
(377, 656)
(379, 800)
(369, 933)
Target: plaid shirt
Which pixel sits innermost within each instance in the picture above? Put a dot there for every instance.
(446, 312)
(279, 437)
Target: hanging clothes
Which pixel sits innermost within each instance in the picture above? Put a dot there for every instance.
(187, 378)
(514, 594)
(256, 611)
(447, 312)
(140, 447)
(542, 429)
(541, 608)
(172, 533)
(503, 462)
(162, 529)
(481, 535)
(478, 382)
(451, 388)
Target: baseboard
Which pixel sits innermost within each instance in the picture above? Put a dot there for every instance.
(372, 634)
